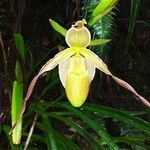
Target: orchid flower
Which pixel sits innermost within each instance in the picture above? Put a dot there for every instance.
(77, 66)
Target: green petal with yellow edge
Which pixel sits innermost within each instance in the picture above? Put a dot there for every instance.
(77, 81)
(93, 58)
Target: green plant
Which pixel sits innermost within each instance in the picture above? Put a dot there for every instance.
(58, 125)
(91, 118)
(18, 88)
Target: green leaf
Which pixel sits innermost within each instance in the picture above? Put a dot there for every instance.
(19, 42)
(17, 98)
(134, 12)
(51, 141)
(135, 141)
(121, 116)
(58, 27)
(67, 142)
(6, 130)
(104, 7)
(93, 124)
(50, 85)
(79, 129)
(36, 137)
(99, 41)
(61, 138)
(18, 72)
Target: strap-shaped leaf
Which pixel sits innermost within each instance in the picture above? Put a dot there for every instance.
(58, 27)
(49, 132)
(95, 144)
(104, 7)
(92, 124)
(122, 116)
(99, 41)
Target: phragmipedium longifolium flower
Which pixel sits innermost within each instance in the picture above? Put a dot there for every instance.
(77, 66)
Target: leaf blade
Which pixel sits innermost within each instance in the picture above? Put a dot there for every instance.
(58, 27)
(99, 41)
(51, 141)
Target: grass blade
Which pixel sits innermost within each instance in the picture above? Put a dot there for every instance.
(51, 141)
(104, 7)
(136, 142)
(20, 47)
(6, 130)
(99, 42)
(58, 27)
(121, 116)
(93, 124)
(134, 12)
(67, 142)
(77, 127)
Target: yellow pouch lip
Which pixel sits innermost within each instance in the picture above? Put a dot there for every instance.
(77, 81)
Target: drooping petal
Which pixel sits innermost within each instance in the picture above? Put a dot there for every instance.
(93, 58)
(62, 69)
(130, 88)
(77, 81)
(52, 63)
